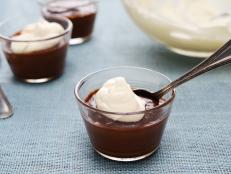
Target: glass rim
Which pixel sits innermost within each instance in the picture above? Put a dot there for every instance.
(68, 29)
(90, 2)
(82, 80)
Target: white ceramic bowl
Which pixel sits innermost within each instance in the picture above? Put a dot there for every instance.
(164, 21)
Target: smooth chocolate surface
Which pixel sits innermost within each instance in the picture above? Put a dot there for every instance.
(126, 140)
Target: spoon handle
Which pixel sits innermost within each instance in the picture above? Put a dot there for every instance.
(5, 106)
(214, 61)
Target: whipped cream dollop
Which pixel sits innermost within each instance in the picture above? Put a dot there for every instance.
(192, 15)
(193, 25)
(116, 95)
(207, 16)
(40, 30)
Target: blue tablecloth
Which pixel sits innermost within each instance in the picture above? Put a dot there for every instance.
(46, 133)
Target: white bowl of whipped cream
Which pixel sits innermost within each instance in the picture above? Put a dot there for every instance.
(193, 28)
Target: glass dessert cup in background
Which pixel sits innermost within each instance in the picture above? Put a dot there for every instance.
(122, 141)
(37, 66)
(82, 14)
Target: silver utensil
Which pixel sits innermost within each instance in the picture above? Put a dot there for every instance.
(214, 61)
(6, 109)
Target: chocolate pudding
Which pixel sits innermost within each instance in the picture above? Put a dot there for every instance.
(37, 52)
(126, 139)
(47, 63)
(81, 13)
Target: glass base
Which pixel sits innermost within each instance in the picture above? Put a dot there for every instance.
(127, 159)
(196, 54)
(77, 41)
(42, 80)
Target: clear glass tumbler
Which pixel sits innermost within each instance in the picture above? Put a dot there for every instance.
(82, 14)
(125, 141)
(36, 66)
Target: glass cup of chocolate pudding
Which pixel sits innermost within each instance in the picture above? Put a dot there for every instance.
(118, 140)
(82, 14)
(31, 65)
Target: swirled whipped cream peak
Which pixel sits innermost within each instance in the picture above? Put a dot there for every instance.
(40, 30)
(116, 95)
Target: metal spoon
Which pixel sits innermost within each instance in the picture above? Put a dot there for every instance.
(214, 61)
(6, 109)
(5, 106)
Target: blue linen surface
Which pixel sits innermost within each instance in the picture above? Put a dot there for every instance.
(46, 133)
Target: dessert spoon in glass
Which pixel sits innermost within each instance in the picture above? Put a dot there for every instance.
(221, 57)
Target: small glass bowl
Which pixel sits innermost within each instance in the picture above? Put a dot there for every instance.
(125, 141)
(82, 14)
(37, 66)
